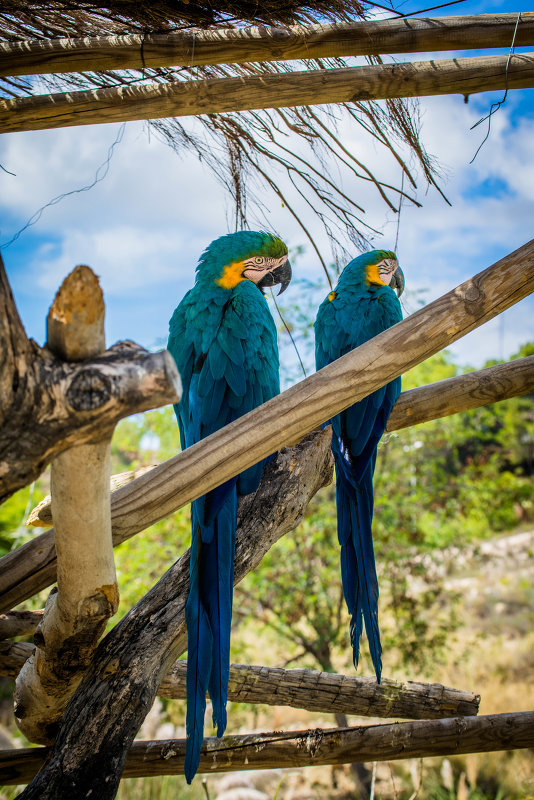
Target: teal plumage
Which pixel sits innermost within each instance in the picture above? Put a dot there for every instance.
(361, 306)
(223, 339)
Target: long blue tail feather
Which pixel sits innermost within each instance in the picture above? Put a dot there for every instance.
(199, 659)
(358, 570)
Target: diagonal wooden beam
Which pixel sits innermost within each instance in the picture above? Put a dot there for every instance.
(307, 748)
(241, 45)
(463, 76)
(441, 399)
(288, 417)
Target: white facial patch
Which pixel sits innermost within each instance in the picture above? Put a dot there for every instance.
(387, 269)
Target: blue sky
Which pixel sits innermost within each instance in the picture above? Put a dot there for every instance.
(143, 227)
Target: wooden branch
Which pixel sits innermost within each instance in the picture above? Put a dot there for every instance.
(13, 656)
(307, 748)
(331, 693)
(305, 688)
(19, 623)
(441, 399)
(41, 515)
(104, 715)
(286, 418)
(241, 45)
(187, 98)
(462, 393)
(47, 405)
(87, 594)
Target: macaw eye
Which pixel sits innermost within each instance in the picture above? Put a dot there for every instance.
(258, 260)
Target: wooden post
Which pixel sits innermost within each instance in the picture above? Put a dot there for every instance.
(240, 45)
(308, 748)
(288, 417)
(87, 593)
(181, 98)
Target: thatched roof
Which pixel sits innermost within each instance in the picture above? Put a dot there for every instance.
(24, 19)
(247, 151)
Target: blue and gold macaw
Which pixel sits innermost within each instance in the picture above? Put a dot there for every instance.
(363, 304)
(223, 339)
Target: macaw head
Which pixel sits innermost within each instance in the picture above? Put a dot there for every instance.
(379, 268)
(246, 255)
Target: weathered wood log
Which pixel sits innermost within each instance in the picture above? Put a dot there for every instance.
(239, 45)
(286, 418)
(332, 693)
(104, 715)
(87, 594)
(13, 656)
(308, 748)
(19, 623)
(41, 515)
(441, 399)
(48, 405)
(462, 393)
(463, 76)
(326, 692)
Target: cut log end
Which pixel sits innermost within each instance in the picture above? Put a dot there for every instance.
(75, 322)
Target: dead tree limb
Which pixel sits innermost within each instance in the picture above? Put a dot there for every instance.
(288, 417)
(19, 623)
(48, 405)
(463, 76)
(13, 656)
(304, 688)
(332, 693)
(441, 399)
(308, 748)
(87, 594)
(240, 45)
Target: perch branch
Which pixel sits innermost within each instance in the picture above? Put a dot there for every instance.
(307, 748)
(87, 594)
(19, 623)
(241, 45)
(463, 76)
(48, 405)
(288, 417)
(441, 399)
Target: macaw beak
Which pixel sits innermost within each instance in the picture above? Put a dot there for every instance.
(281, 275)
(397, 281)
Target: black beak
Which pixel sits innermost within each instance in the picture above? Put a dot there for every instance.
(281, 275)
(397, 281)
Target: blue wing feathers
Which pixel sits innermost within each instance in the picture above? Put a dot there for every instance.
(225, 348)
(355, 314)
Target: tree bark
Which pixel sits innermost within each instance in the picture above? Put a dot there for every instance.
(241, 45)
(286, 418)
(463, 76)
(325, 692)
(87, 594)
(307, 748)
(48, 405)
(117, 691)
(19, 623)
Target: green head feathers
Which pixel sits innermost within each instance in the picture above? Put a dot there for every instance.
(254, 255)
